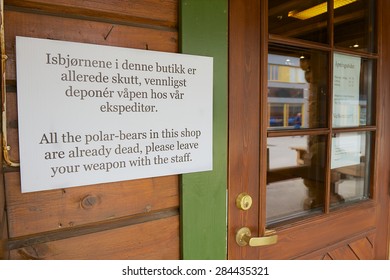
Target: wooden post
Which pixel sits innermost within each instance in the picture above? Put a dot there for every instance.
(203, 27)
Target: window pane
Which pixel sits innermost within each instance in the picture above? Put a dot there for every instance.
(354, 25)
(295, 115)
(306, 20)
(353, 90)
(276, 112)
(350, 162)
(297, 87)
(296, 176)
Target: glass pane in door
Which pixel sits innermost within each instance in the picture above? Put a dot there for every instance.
(354, 25)
(295, 177)
(350, 163)
(297, 87)
(353, 90)
(306, 20)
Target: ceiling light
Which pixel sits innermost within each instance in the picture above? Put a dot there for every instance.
(318, 9)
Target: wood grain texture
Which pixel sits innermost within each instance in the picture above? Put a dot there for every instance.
(104, 221)
(3, 237)
(330, 230)
(3, 217)
(2, 196)
(359, 248)
(363, 248)
(244, 113)
(382, 170)
(153, 13)
(35, 212)
(321, 233)
(147, 241)
(78, 30)
(343, 253)
(12, 122)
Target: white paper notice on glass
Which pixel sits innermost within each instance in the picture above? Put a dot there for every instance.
(93, 114)
(346, 150)
(346, 81)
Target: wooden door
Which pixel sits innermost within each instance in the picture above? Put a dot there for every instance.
(289, 182)
(136, 219)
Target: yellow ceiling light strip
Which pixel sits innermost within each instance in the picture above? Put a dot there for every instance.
(318, 9)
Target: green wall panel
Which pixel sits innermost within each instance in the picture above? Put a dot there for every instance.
(203, 31)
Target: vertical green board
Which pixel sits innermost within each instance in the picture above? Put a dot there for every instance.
(203, 31)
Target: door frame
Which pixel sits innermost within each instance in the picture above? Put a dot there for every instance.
(246, 42)
(382, 172)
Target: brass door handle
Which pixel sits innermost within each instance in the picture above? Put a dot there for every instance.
(244, 237)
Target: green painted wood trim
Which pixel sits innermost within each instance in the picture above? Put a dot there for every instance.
(203, 26)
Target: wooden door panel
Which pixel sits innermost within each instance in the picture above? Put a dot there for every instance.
(358, 249)
(321, 233)
(342, 253)
(363, 248)
(35, 212)
(131, 242)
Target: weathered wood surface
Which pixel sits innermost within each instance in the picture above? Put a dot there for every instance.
(152, 240)
(104, 221)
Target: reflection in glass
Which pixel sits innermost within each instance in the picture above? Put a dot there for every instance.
(297, 87)
(296, 176)
(354, 26)
(306, 20)
(350, 167)
(353, 80)
(276, 118)
(366, 93)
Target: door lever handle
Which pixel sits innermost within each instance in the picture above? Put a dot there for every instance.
(244, 237)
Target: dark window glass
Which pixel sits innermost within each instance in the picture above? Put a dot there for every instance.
(306, 20)
(354, 25)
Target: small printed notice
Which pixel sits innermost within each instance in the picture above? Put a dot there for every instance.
(346, 150)
(93, 114)
(346, 81)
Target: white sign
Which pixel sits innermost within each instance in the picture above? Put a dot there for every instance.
(346, 150)
(92, 114)
(346, 81)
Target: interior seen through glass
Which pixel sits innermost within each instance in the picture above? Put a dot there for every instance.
(297, 100)
(295, 177)
(296, 173)
(299, 90)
